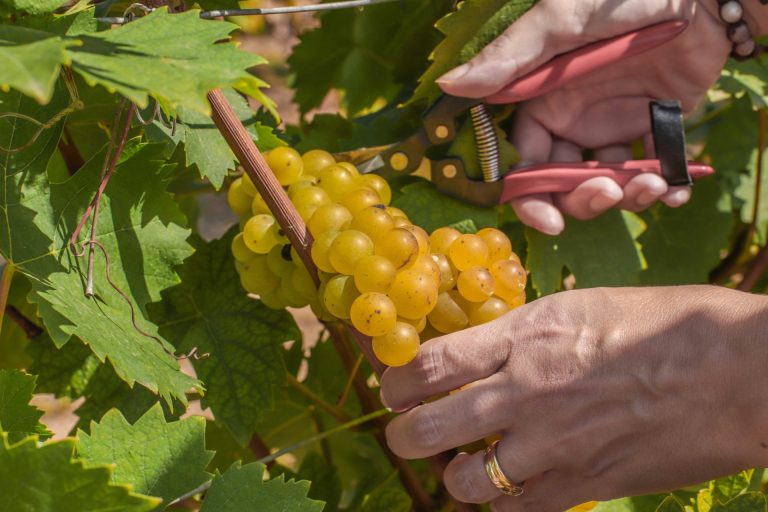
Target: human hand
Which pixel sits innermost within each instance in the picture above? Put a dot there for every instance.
(605, 110)
(597, 394)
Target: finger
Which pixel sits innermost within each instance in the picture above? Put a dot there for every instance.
(554, 491)
(642, 191)
(466, 416)
(564, 151)
(648, 146)
(444, 364)
(590, 199)
(539, 212)
(677, 196)
(615, 153)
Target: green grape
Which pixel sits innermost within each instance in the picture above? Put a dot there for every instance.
(316, 160)
(476, 284)
(373, 314)
(399, 346)
(351, 168)
(337, 181)
(420, 324)
(468, 251)
(319, 310)
(303, 182)
(259, 233)
(359, 199)
(321, 248)
(510, 279)
(256, 277)
(288, 291)
(303, 284)
(329, 217)
(240, 251)
(306, 211)
(426, 265)
(296, 259)
(277, 262)
(347, 249)
(414, 293)
(248, 186)
(488, 311)
(499, 246)
(448, 272)
(259, 206)
(239, 202)
(280, 235)
(378, 184)
(374, 221)
(421, 236)
(441, 239)
(399, 246)
(396, 212)
(338, 295)
(374, 274)
(447, 317)
(286, 163)
(273, 301)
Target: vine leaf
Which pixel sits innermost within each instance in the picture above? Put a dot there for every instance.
(748, 79)
(156, 458)
(34, 7)
(174, 58)
(467, 31)
(243, 488)
(17, 418)
(748, 502)
(46, 479)
(387, 499)
(210, 311)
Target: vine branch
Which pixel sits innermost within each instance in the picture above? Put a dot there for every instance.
(30, 328)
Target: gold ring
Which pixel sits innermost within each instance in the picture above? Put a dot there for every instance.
(497, 476)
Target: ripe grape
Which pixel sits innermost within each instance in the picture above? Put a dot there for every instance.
(414, 293)
(499, 246)
(259, 206)
(517, 300)
(374, 274)
(240, 251)
(278, 264)
(359, 199)
(337, 181)
(378, 184)
(421, 236)
(396, 212)
(399, 346)
(447, 317)
(310, 195)
(468, 251)
(303, 284)
(256, 277)
(290, 294)
(401, 222)
(286, 163)
(420, 324)
(303, 182)
(488, 311)
(248, 186)
(320, 249)
(373, 314)
(351, 168)
(426, 265)
(399, 246)
(374, 221)
(347, 249)
(239, 201)
(273, 300)
(338, 295)
(316, 160)
(259, 233)
(448, 272)
(510, 278)
(441, 239)
(476, 284)
(329, 217)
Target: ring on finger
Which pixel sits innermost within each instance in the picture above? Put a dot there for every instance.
(498, 478)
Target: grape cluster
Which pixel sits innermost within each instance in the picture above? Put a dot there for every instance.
(388, 277)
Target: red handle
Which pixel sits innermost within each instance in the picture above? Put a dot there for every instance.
(553, 177)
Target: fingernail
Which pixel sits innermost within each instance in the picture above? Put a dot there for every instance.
(453, 74)
(600, 203)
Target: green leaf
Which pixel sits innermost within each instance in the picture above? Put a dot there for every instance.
(46, 479)
(34, 7)
(326, 486)
(156, 458)
(431, 209)
(725, 489)
(174, 58)
(467, 31)
(210, 311)
(748, 79)
(17, 418)
(670, 504)
(14, 340)
(227, 449)
(387, 499)
(601, 252)
(749, 502)
(243, 488)
(633, 504)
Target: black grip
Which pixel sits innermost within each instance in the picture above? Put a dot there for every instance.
(669, 140)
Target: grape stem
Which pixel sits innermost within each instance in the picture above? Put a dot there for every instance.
(339, 414)
(5, 288)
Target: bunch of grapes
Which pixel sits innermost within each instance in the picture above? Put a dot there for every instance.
(388, 277)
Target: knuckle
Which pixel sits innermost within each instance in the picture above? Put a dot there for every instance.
(466, 486)
(431, 365)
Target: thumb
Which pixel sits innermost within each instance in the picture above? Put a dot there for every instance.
(540, 34)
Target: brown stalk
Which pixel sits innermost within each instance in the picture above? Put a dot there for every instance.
(259, 448)
(30, 328)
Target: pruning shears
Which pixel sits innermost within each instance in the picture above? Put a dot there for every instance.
(439, 127)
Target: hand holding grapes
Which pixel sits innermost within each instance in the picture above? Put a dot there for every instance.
(596, 394)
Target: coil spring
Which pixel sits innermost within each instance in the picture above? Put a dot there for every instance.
(486, 142)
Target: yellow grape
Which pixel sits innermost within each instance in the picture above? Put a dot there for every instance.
(401, 222)
(329, 217)
(319, 310)
(351, 168)
(374, 274)
(248, 186)
(320, 249)
(414, 293)
(259, 206)
(378, 184)
(359, 199)
(429, 333)
(259, 233)
(316, 160)
(338, 295)
(239, 202)
(517, 301)
(303, 182)
(399, 246)
(396, 212)
(499, 246)
(306, 212)
(441, 239)
(463, 303)
(256, 277)
(448, 272)
(476, 284)
(310, 196)
(286, 163)
(374, 221)
(240, 251)
(426, 265)
(277, 261)
(373, 314)
(468, 251)
(510, 278)
(399, 346)
(296, 259)
(347, 249)
(447, 317)
(337, 181)
(303, 284)
(420, 324)
(488, 311)
(421, 236)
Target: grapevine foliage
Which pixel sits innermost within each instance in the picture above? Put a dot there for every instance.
(170, 288)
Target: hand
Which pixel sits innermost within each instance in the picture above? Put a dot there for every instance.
(597, 394)
(604, 111)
